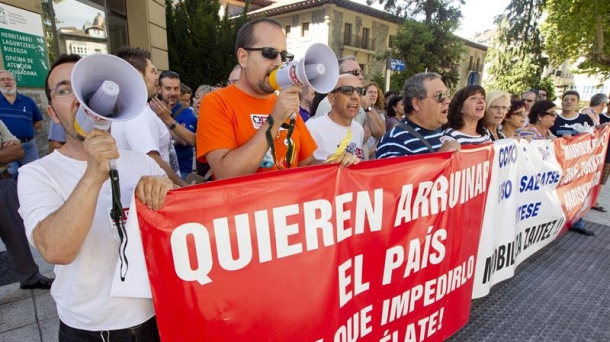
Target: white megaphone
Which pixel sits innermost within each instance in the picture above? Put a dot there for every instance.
(108, 89)
(319, 69)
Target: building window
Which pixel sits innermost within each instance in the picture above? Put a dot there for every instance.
(287, 30)
(392, 41)
(478, 64)
(305, 30)
(365, 39)
(85, 27)
(470, 64)
(347, 34)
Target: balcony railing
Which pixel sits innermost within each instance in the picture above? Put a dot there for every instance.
(358, 42)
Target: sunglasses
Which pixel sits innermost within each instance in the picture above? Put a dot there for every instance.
(271, 53)
(550, 113)
(440, 97)
(349, 90)
(355, 72)
(521, 114)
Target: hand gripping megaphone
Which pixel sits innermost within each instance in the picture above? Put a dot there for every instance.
(108, 89)
(319, 69)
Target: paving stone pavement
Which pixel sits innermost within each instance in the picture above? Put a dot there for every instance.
(558, 295)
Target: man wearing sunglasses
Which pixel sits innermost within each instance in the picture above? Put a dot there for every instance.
(348, 65)
(426, 101)
(338, 136)
(233, 134)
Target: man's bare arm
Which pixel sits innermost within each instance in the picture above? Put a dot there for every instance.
(168, 170)
(11, 153)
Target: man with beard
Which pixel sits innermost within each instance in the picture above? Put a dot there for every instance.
(146, 133)
(241, 127)
(426, 101)
(180, 120)
(66, 199)
(21, 116)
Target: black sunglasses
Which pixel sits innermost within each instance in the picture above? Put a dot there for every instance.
(349, 90)
(355, 72)
(271, 53)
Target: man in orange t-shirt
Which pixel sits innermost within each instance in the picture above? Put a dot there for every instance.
(231, 134)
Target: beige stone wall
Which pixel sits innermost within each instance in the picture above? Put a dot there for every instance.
(465, 63)
(147, 29)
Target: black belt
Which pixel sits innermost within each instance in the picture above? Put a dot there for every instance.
(24, 140)
(5, 175)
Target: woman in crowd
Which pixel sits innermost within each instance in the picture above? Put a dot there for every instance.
(514, 119)
(372, 101)
(396, 111)
(541, 118)
(498, 103)
(465, 119)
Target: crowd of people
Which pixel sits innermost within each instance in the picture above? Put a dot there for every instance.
(243, 128)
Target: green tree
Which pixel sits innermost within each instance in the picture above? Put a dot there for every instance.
(575, 29)
(425, 41)
(201, 44)
(514, 65)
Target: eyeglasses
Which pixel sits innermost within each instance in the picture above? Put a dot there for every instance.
(355, 72)
(62, 90)
(271, 53)
(499, 108)
(521, 114)
(349, 90)
(550, 113)
(440, 97)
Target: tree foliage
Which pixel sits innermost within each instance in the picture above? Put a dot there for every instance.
(427, 44)
(579, 28)
(514, 64)
(201, 45)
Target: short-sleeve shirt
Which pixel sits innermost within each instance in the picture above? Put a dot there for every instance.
(228, 118)
(564, 126)
(398, 142)
(20, 116)
(5, 135)
(465, 139)
(187, 119)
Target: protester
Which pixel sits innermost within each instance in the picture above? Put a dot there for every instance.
(201, 91)
(186, 96)
(569, 119)
(234, 75)
(465, 122)
(65, 197)
(12, 231)
(498, 104)
(514, 120)
(542, 94)
(426, 101)
(146, 133)
(338, 136)
(396, 112)
(306, 96)
(529, 97)
(21, 116)
(239, 129)
(373, 104)
(597, 104)
(180, 120)
(542, 116)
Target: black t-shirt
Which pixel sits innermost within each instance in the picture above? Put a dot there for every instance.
(563, 126)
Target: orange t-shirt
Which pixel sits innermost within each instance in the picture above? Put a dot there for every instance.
(229, 118)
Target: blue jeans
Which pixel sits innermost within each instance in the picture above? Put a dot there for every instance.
(31, 154)
(578, 224)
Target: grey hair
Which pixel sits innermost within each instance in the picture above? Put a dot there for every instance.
(414, 89)
(598, 99)
(343, 60)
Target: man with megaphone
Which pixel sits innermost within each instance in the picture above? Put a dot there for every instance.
(231, 134)
(66, 200)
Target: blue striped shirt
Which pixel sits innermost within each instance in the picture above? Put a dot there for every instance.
(398, 142)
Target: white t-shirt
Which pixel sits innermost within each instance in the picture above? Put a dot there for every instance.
(144, 133)
(82, 288)
(329, 135)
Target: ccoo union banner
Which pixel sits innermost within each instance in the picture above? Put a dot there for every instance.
(383, 251)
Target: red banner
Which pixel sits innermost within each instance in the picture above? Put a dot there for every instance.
(582, 159)
(383, 251)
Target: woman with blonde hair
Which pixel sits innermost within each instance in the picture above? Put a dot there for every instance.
(497, 106)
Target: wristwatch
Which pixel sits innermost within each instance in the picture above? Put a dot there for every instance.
(173, 125)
